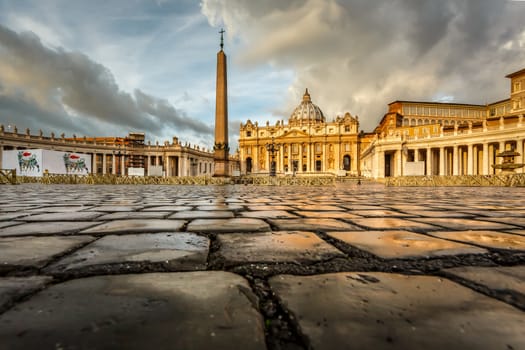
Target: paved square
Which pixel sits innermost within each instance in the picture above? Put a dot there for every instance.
(261, 267)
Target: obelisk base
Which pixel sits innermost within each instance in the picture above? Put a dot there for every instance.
(222, 168)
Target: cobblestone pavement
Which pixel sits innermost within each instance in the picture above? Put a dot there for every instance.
(188, 267)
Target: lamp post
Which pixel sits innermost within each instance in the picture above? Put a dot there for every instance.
(272, 148)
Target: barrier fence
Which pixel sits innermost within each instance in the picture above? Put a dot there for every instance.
(508, 180)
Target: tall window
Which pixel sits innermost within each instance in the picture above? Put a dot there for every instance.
(346, 162)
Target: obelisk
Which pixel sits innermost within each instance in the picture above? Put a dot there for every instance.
(221, 148)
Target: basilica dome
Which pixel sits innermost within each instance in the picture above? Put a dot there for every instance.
(307, 112)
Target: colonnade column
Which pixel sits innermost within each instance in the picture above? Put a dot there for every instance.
(1, 155)
(441, 161)
(470, 159)
(122, 165)
(455, 160)
(104, 163)
(485, 159)
(519, 149)
(501, 148)
(113, 164)
(399, 171)
(416, 155)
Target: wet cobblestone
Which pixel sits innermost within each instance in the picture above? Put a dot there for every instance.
(277, 267)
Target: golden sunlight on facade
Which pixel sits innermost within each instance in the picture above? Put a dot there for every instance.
(306, 144)
(420, 138)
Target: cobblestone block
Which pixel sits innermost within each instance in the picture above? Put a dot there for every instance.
(403, 244)
(390, 311)
(188, 310)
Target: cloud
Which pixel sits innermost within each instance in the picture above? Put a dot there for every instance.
(358, 56)
(45, 87)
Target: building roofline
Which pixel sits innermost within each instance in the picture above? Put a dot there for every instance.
(511, 75)
(439, 103)
(500, 101)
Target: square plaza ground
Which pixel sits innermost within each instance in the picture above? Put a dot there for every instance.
(261, 267)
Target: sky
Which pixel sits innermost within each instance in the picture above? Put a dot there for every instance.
(107, 68)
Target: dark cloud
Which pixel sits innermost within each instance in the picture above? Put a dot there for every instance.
(358, 56)
(45, 87)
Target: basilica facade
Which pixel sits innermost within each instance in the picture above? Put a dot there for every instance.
(307, 143)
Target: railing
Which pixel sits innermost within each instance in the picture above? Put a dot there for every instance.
(107, 179)
(8, 176)
(91, 179)
(508, 180)
(265, 180)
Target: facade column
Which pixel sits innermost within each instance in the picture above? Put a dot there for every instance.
(455, 160)
(156, 160)
(416, 155)
(255, 161)
(429, 162)
(300, 145)
(290, 160)
(268, 161)
(113, 164)
(309, 157)
(104, 163)
(485, 159)
(324, 166)
(441, 161)
(470, 159)
(1, 156)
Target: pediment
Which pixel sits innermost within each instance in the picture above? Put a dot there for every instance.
(295, 133)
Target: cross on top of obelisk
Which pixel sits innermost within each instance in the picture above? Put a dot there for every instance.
(222, 38)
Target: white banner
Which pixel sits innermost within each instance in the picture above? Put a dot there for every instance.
(35, 162)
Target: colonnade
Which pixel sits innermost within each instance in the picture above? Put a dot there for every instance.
(173, 164)
(456, 159)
